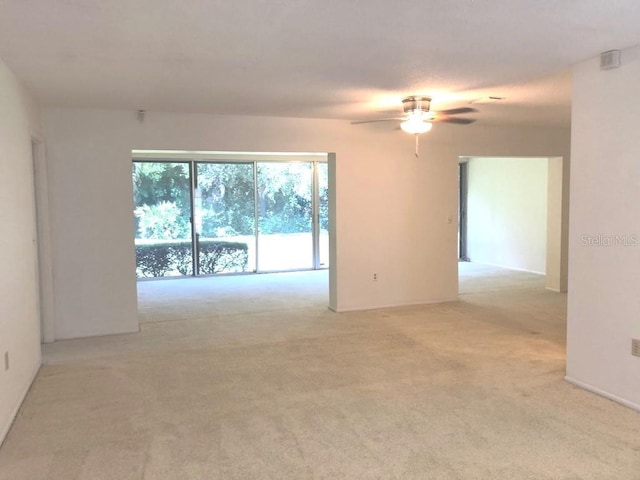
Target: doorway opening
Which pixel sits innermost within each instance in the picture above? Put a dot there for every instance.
(510, 222)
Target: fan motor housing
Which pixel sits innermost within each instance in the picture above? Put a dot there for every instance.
(413, 103)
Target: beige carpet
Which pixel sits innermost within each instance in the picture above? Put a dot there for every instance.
(476, 278)
(207, 297)
(465, 390)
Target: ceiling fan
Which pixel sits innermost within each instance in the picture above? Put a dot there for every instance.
(418, 117)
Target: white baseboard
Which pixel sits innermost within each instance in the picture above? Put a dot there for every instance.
(391, 305)
(83, 336)
(508, 267)
(602, 393)
(5, 429)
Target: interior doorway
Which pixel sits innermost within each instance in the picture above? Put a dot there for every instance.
(511, 217)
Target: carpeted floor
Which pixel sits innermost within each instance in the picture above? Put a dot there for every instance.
(207, 297)
(285, 389)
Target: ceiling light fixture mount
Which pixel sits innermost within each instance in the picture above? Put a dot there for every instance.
(414, 103)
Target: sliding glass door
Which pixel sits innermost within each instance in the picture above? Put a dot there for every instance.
(285, 240)
(162, 213)
(225, 217)
(203, 218)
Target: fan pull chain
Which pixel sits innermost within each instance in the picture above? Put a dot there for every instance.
(417, 145)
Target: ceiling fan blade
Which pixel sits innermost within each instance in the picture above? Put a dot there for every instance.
(358, 122)
(457, 121)
(456, 111)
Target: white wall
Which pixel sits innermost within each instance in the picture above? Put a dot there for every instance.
(19, 317)
(507, 212)
(604, 273)
(391, 209)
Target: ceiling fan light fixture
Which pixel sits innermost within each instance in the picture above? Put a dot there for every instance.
(416, 126)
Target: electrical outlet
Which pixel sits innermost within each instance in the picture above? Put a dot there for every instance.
(6, 361)
(635, 347)
(375, 277)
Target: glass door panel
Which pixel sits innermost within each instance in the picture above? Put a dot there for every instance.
(162, 213)
(285, 239)
(225, 218)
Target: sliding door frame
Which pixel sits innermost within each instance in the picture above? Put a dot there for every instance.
(194, 158)
(315, 214)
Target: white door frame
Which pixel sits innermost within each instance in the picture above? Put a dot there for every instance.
(43, 241)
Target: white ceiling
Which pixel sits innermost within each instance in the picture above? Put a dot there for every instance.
(348, 59)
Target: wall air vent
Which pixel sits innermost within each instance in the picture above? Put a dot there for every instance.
(610, 60)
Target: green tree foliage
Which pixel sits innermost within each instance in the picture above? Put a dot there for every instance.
(323, 194)
(225, 202)
(227, 199)
(161, 197)
(162, 221)
(169, 258)
(284, 197)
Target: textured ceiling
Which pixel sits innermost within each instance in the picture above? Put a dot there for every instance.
(346, 59)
